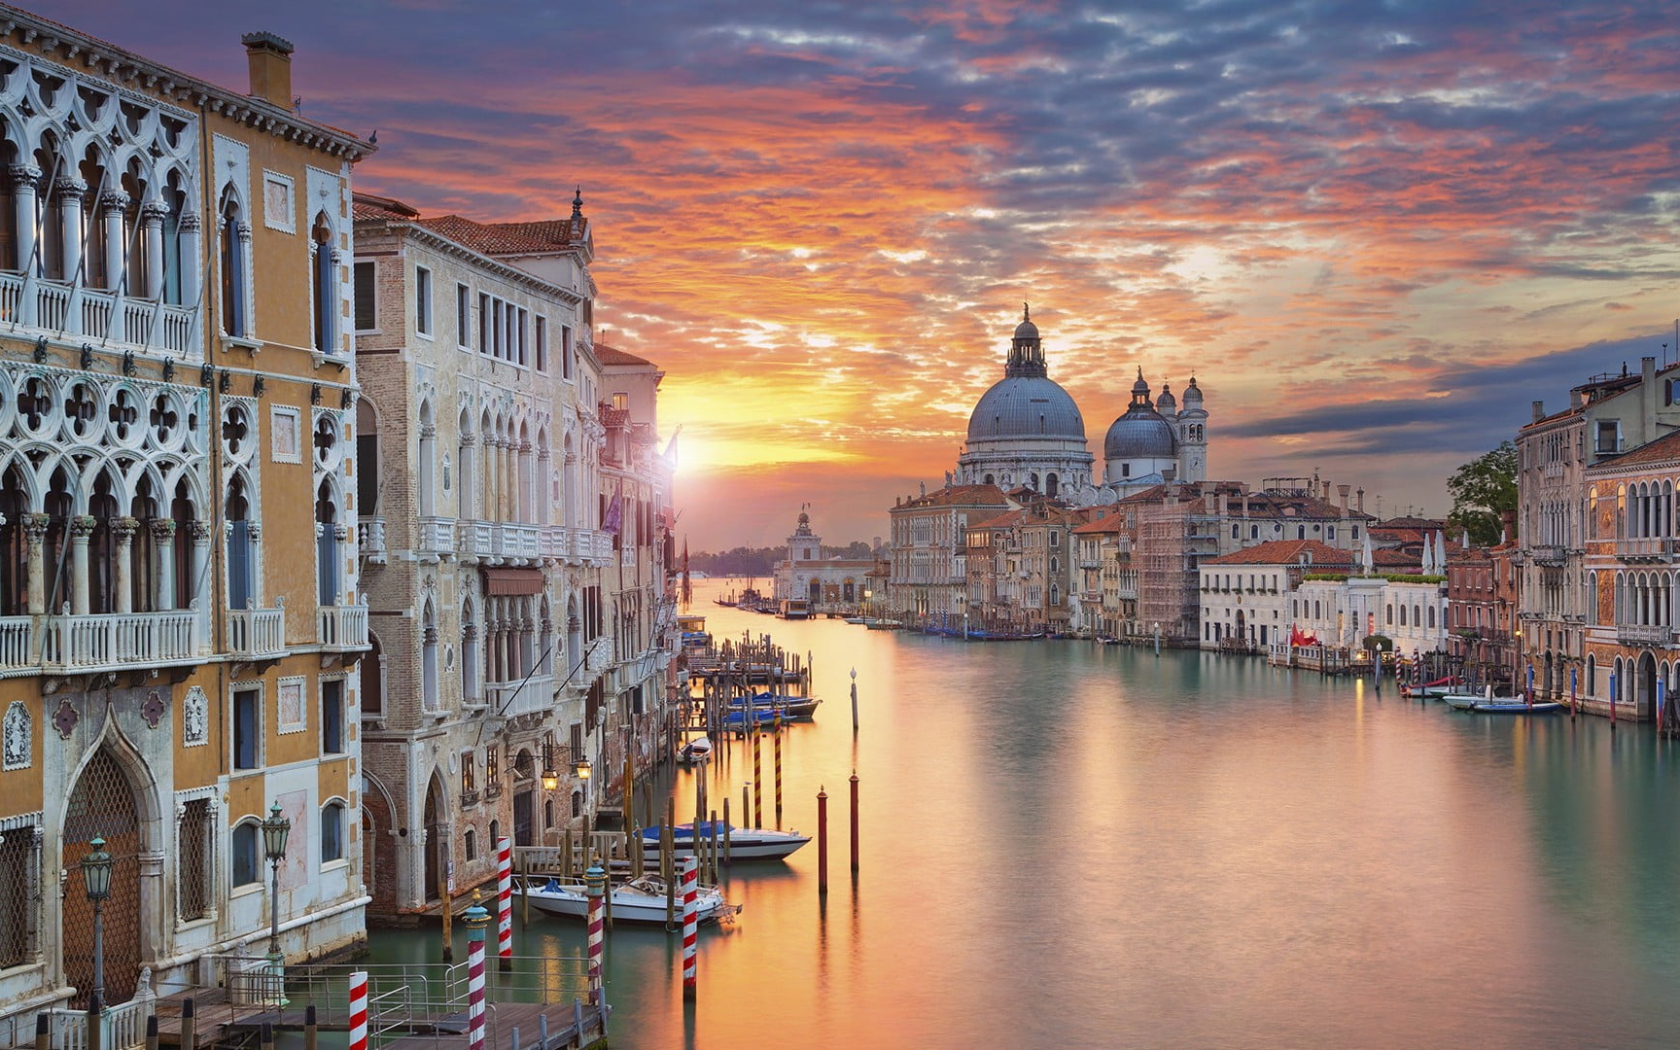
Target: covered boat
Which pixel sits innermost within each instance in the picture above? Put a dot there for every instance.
(744, 843)
(640, 900)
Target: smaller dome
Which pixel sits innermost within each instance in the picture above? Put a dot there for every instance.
(1165, 402)
(1192, 392)
(1141, 386)
(1026, 329)
(1140, 435)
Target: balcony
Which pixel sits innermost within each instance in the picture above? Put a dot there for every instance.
(469, 798)
(108, 641)
(17, 642)
(596, 546)
(1547, 555)
(1646, 549)
(475, 540)
(518, 542)
(93, 314)
(1643, 634)
(493, 789)
(257, 634)
(512, 699)
(437, 539)
(344, 628)
(370, 536)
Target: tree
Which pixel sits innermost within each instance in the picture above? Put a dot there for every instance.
(1484, 491)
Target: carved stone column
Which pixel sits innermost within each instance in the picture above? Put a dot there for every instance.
(111, 209)
(151, 226)
(81, 527)
(163, 541)
(200, 531)
(26, 180)
(69, 191)
(122, 530)
(190, 260)
(35, 534)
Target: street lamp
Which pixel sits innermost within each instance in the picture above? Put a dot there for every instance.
(276, 829)
(96, 882)
(582, 769)
(550, 778)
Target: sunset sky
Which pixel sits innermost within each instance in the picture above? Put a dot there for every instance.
(1374, 233)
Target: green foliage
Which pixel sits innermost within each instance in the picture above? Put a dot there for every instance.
(1379, 641)
(1483, 491)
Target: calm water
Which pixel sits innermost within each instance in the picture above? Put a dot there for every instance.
(1071, 845)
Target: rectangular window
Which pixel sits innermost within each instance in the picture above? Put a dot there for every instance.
(245, 854)
(195, 863)
(247, 728)
(463, 316)
(469, 779)
(1607, 436)
(20, 875)
(498, 342)
(492, 770)
(524, 323)
(483, 323)
(422, 300)
(542, 344)
(332, 716)
(565, 352)
(367, 298)
(577, 743)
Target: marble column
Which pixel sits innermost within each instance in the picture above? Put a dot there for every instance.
(151, 227)
(163, 541)
(26, 179)
(112, 206)
(190, 262)
(35, 534)
(68, 192)
(81, 527)
(200, 558)
(122, 531)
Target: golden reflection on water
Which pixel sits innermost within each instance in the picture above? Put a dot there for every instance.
(1073, 845)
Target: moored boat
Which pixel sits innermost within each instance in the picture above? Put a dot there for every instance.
(744, 843)
(1510, 706)
(640, 900)
(792, 708)
(696, 750)
(884, 624)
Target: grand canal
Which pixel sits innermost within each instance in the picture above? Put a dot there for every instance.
(1072, 845)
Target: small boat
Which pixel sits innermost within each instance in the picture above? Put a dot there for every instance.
(858, 619)
(1435, 690)
(1463, 701)
(1509, 706)
(793, 708)
(744, 843)
(696, 750)
(737, 717)
(639, 900)
(884, 624)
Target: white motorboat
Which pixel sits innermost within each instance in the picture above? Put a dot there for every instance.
(639, 900)
(744, 843)
(695, 751)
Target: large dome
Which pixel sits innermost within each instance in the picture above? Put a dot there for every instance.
(1140, 434)
(1025, 407)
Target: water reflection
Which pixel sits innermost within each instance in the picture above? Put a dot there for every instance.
(1073, 845)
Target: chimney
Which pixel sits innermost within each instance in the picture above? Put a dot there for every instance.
(1539, 411)
(1342, 491)
(1327, 492)
(1360, 505)
(1577, 398)
(270, 58)
(1648, 370)
(1224, 504)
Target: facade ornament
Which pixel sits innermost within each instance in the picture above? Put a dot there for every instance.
(69, 186)
(125, 528)
(154, 707)
(195, 718)
(113, 200)
(153, 211)
(190, 222)
(17, 737)
(253, 529)
(200, 529)
(82, 525)
(245, 233)
(24, 175)
(65, 719)
(163, 529)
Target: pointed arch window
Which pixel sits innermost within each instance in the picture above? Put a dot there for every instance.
(235, 287)
(324, 285)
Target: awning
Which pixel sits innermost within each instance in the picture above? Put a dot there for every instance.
(513, 581)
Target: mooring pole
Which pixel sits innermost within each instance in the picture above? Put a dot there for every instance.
(822, 842)
(854, 820)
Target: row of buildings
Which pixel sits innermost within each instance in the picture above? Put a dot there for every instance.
(310, 505)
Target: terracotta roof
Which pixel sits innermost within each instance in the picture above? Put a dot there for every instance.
(1001, 521)
(1288, 552)
(1432, 524)
(613, 417)
(369, 206)
(506, 238)
(612, 355)
(1106, 523)
(959, 496)
(1662, 450)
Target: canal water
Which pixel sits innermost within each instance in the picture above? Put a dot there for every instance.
(1072, 845)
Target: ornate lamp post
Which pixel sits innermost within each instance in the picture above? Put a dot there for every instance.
(275, 830)
(96, 882)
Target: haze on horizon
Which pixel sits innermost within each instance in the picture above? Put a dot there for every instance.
(1373, 235)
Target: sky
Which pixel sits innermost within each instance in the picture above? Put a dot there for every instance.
(1375, 233)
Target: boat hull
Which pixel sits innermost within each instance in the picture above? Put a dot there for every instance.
(744, 844)
(628, 904)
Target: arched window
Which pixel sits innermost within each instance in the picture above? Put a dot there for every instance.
(326, 539)
(14, 562)
(1051, 483)
(243, 859)
(234, 285)
(332, 832)
(1390, 616)
(1431, 614)
(1402, 616)
(324, 284)
(1590, 685)
(577, 804)
(368, 467)
(469, 842)
(428, 658)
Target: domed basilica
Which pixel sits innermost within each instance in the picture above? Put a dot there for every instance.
(1026, 431)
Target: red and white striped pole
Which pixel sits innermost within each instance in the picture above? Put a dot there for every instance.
(504, 903)
(358, 1010)
(476, 918)
(595, 885)
(691, 940)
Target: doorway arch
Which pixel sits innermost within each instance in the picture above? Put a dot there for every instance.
(437, 838)
(107, 802)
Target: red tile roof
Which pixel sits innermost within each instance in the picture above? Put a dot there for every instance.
(1287, 552)
(505, 238)
(612, 355)
(1105, 524)
(959, 496)
(1662, 450)
(369, 206)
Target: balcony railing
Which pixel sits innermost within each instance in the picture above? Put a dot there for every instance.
(516, 540)
(1643, 634)
(106, 640)
(370, 535)
(96, 314)
(344, 628)
(475, 539)
(511, 699)
(437, 538)
(1646, 548)
(257, 633)
(1549, 554)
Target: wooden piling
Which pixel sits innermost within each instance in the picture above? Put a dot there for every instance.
(152, 1032)
(189, 1025)
(43, 1031)
(606, 866)
(714, 847)
(758, 783)
(668, 871)
(524, 892)
(265, 1036)
(566, 854)
(746, 807)
(311, 1032)
(854, 821)
(726, 832)
(822, 842)
(443, 898)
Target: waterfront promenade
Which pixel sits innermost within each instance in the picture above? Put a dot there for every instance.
(1075, 845)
